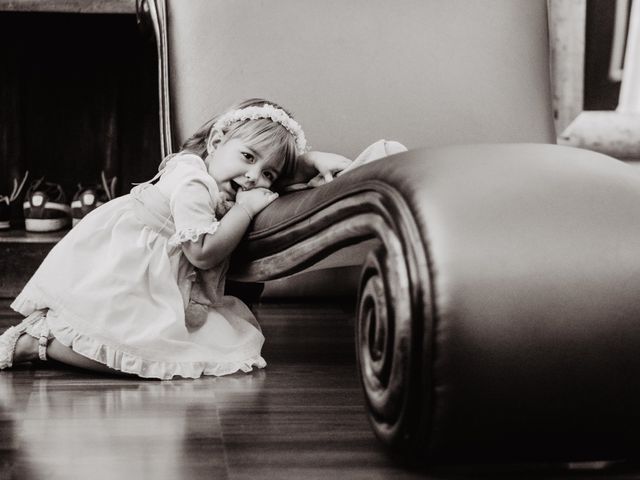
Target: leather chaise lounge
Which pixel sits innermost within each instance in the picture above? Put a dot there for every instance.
(498, 316)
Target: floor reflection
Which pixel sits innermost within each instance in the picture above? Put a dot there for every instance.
(61, 425)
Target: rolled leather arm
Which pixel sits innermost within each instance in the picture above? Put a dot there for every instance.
(499, 314)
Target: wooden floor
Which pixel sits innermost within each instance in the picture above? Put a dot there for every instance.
(300, 418)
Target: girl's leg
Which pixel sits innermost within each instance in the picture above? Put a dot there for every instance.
(21, 344)
(63, 354)
(27, 351)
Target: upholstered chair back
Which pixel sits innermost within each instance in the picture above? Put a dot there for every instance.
(424, 72)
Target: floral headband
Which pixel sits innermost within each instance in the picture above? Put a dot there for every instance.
(254, 113)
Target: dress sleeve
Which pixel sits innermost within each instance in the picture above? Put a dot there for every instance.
(193, 205)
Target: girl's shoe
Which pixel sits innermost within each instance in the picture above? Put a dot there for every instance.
(34, 325)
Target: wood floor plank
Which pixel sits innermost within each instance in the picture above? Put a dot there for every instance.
(302, 417)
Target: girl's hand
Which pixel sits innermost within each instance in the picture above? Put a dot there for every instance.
(224, 202)
(326, 164)
(256, 199)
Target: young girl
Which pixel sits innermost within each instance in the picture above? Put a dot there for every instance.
(112, 294)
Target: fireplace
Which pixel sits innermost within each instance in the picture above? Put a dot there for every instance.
(78, 96)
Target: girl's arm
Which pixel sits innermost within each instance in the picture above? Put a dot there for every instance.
(213, 248)
(310, 164)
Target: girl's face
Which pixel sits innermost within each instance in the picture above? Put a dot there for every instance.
(234, 166)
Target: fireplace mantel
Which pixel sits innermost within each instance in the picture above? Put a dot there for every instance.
(69, 6)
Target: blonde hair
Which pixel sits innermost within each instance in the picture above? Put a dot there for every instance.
(270, 138)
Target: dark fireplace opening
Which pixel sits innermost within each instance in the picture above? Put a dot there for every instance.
(79, 96)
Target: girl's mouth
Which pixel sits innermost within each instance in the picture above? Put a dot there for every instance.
(235, 186)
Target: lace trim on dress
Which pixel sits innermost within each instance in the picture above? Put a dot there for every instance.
(130, 363)
(191, 234)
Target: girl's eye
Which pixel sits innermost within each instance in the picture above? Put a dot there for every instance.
(248, 156)
(269, 176)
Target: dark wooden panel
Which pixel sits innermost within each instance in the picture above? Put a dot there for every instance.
(17, 235)
(18, 261)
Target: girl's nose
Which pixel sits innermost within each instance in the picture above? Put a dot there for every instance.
(252, 175)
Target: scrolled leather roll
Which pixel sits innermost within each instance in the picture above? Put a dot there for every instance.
(530, 349)
(499, 315)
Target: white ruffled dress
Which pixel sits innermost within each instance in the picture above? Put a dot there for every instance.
(117, 285)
